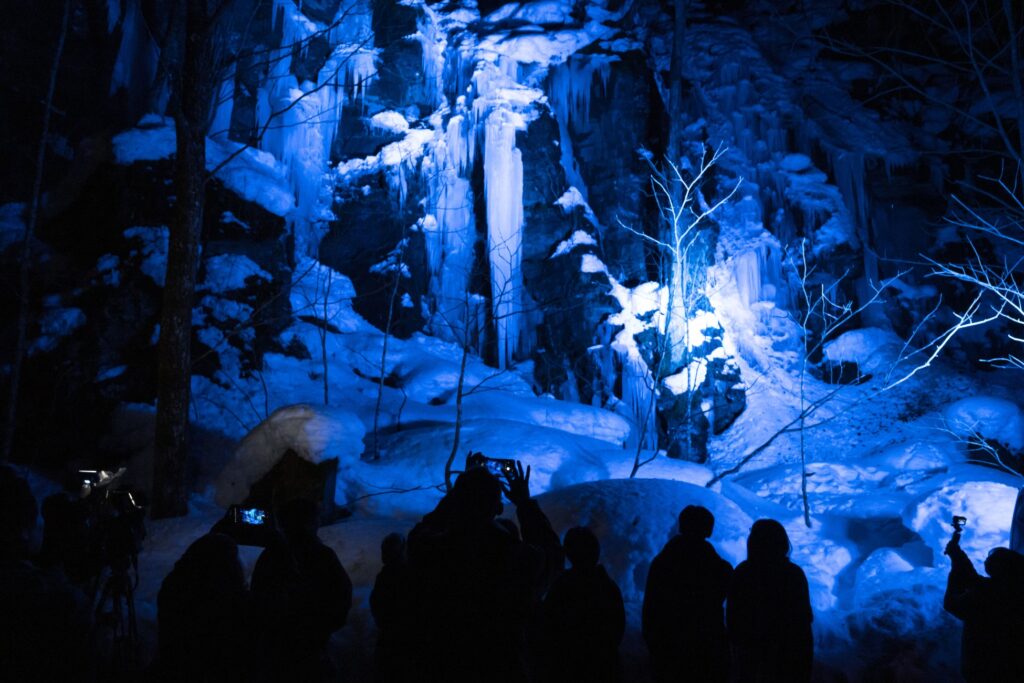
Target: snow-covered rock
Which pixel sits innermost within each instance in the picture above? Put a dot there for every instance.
(871, 348)
(634, 518)
(313, 433)
(990, 418)
(987, 505)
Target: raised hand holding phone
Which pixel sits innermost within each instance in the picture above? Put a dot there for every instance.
(518, 489)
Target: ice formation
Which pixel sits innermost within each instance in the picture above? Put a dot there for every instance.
(503, 185)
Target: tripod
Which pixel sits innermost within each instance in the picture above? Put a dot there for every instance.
(119, 619)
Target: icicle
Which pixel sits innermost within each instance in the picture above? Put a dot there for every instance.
(137, 55)
(459, 144)
(113, 14)
(638, 393)
(848, 170)
(221, 125)
(432, 44)
(571, 84)
(758, 274)
(503, 187)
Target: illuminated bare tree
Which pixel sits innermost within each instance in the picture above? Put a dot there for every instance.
(685, 213)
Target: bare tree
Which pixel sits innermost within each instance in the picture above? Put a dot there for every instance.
(684, 212)
(25, 264)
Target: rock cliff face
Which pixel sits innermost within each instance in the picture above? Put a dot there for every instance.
(482, 174)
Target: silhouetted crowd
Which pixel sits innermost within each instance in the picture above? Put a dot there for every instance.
(469, 595)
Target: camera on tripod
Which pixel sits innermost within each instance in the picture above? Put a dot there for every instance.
(116, 518)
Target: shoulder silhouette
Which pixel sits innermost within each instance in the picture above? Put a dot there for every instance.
(769, 611)
(201, 614)
(476, 583)
(992, 611)
(45, 622)
(302, 595)
(584, 617)
(683, 621)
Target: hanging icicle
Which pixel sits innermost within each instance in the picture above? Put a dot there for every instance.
(503, 187)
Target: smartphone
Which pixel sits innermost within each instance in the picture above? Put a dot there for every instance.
(252, 516)
(499, 467)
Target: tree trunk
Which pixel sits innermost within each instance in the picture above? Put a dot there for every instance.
(24, 272)
(194, 97)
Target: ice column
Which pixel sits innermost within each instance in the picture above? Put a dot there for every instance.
(137, 55)
(224, 107)
(503, 189)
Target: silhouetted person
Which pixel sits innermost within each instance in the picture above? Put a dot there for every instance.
(202, 614)
(390, 606)
(769, 611)
(584, 617)
(476, 585)
(44, 622)
(683, 621)
(992, 609)
(302, 595)
(68, 542)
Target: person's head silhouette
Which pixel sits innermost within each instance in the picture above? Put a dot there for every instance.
(476, 497)
(768, 541)
(581, 547)
(696, 522)
(18, 513)
(392, 549)
(1003, 564)
(211, 565)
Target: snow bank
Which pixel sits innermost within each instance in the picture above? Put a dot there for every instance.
(315, 434)
(988, 506)
(990, 418)
(567, 416)
(402, 482)
(634, 518)
(870, 348)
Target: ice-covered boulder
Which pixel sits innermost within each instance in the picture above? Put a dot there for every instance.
(633, 518)
(987, 505)
(993, 419)
(315, 434)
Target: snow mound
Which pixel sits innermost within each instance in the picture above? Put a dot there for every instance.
(896, 602)
(574, 418)
(988, 506)
(634, 518)
(315, 434)
(870, 348)
(404, 481)
(227, 272)
(990, 418)
(847, 490)
(389, 121)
